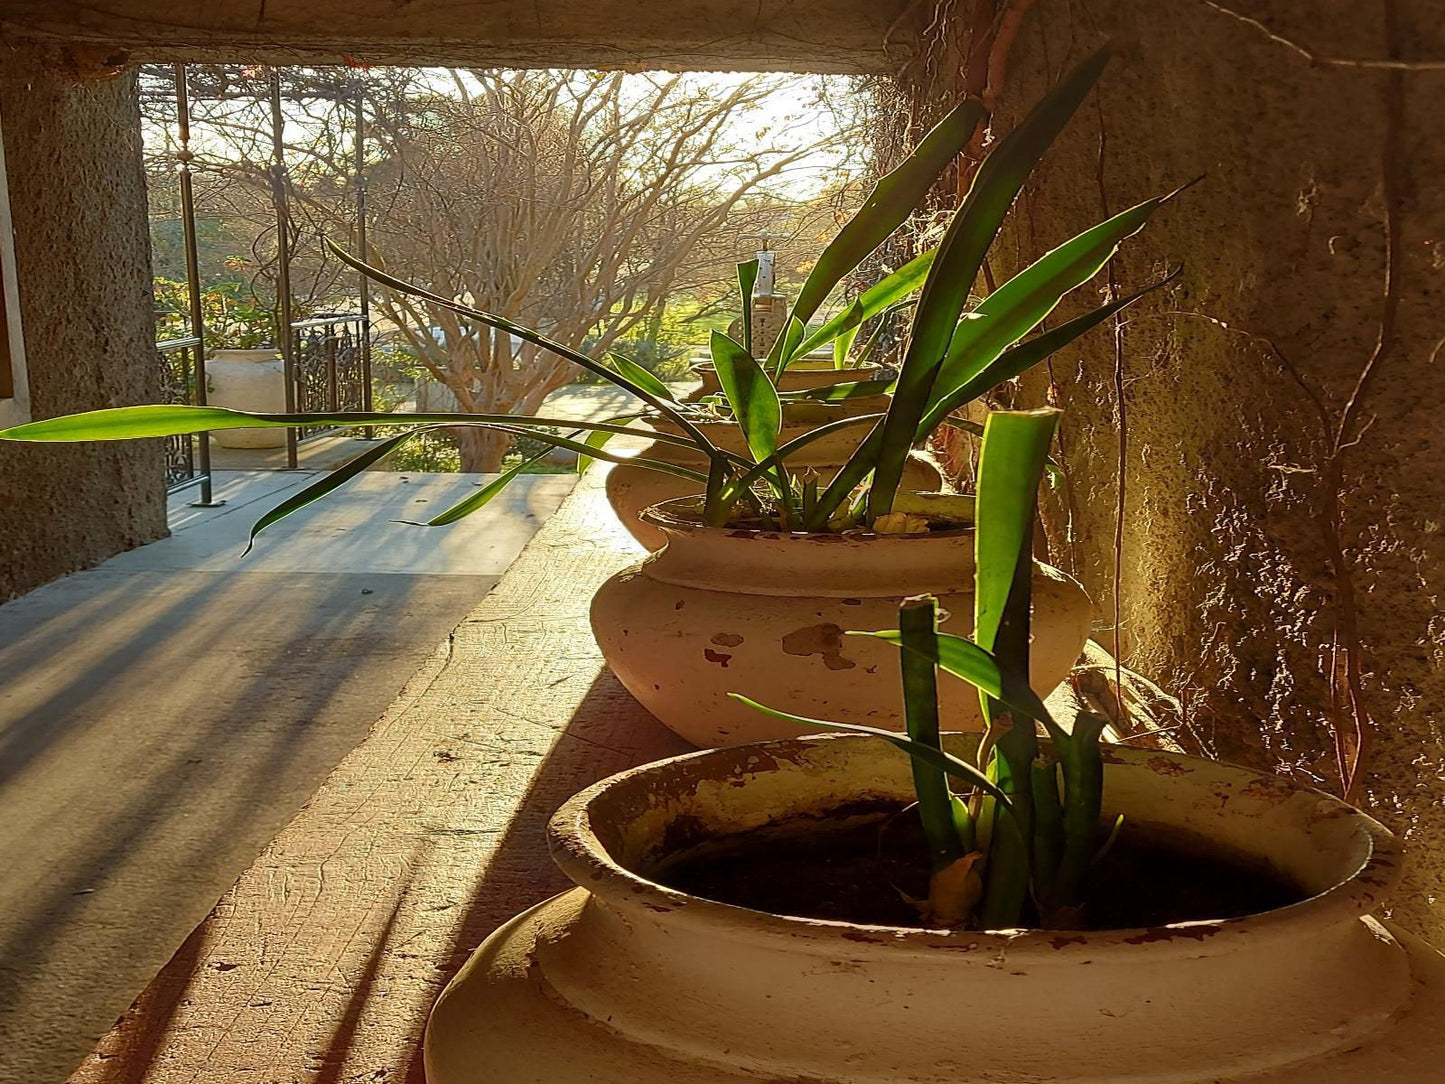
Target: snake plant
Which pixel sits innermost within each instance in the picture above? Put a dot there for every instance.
(954, 353)
(1015, 848)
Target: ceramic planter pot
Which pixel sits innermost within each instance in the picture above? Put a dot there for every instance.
(252, 380)
(625, 981)
(803, 375)
(633, 489)
(763, 613)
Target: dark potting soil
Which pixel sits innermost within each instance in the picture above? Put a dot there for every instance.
(860, 872)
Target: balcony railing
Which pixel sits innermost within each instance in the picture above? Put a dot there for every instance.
(329, 364)
(332, 364)
(187, 460)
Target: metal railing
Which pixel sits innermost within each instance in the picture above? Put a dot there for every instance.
(330, 367)
(187, 456)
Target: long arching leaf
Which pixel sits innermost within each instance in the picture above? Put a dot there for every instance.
(664, 404)
(330, 481)
(874, 301)
(1021, 357)
(934, 758)
(1025, 300)
(130, 423)
(493, 489)
(997, 182)
(887, 207)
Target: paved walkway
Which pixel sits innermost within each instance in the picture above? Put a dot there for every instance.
(163, 715)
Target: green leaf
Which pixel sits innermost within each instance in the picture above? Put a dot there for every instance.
(485, 494)
(1024, 301)
(918, 628)
(664, 404)
(947, 762)
(640, 376)
(593, 440)
(997, 182)
(887, 207)
(130, 423)
(747, 279)
(328, 482)
(1021, 357)
(874, 301)
(1011, 464)
(751, 394)
(601, 453)
(1083, 771)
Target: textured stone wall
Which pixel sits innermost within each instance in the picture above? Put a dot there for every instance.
(77, 195)
(1235, 380)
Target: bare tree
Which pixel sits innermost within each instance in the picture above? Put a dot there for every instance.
(577, 203)
(574, 202)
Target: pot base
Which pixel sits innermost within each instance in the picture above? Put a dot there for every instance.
(501, 1022)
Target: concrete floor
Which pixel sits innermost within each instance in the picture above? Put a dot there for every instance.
(163, 715)
(324, 452)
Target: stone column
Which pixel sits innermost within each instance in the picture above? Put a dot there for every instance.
(82, 248)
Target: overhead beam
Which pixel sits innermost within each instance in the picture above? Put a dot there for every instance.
(838, 36)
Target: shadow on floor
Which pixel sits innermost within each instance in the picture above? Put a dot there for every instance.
(156, 731)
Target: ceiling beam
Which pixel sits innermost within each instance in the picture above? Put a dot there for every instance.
(845, 36)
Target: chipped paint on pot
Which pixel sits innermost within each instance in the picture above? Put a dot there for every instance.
(625, 981)
(632, 489)
(764, 614)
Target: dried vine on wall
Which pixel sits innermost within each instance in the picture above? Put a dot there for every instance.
(965, 50)
(1351, 726)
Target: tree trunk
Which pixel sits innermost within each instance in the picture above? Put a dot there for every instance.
(1265, 576)
(482, 449)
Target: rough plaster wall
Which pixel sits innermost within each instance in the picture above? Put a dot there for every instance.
(1227, 592)
(77, 194)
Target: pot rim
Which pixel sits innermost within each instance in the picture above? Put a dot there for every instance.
(802, 365)
(657, 418)
(681, 516)
(579, 853)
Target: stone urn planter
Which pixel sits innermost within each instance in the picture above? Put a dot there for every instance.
(253, 380)
(762, 613)
(632, 489)
(804, 374)
(624, 980)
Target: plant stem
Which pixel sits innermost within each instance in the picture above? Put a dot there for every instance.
(917, 627)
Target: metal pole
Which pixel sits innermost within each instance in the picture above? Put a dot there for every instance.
(283, 258)
(364, 283)
(184, 158)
